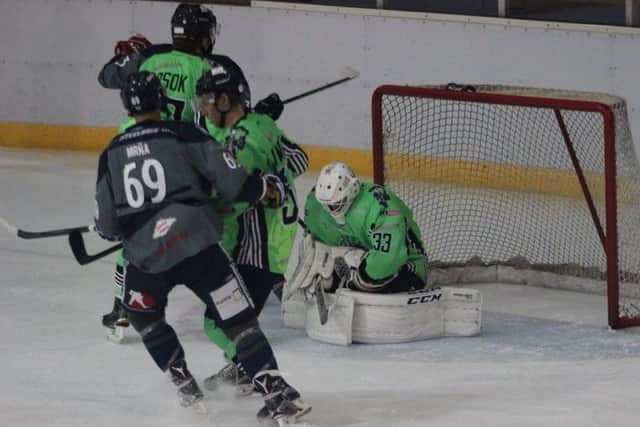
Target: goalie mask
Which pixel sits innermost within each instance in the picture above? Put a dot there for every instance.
(336, 188)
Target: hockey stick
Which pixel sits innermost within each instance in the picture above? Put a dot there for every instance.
(80, 251)
(350, 74)
(321, 302)
(23, 234)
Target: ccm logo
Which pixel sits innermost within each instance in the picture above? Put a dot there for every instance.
(424, 298)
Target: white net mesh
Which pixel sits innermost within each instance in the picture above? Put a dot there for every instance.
(493, 184)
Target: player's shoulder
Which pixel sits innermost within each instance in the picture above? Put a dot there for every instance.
(311, 204)
(224, 60)
(260, 126)
(259, 121)
(376, 199)
(375, 192)
(187, 132)
(166, 56)
(311, 196)
(156, 49)
(152, 129)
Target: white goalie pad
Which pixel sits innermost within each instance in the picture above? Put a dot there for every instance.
(338, 328)
(355, 316)
(315, 267)
(315, 262)
(396, 318)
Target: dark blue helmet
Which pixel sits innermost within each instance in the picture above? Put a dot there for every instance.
(143, 93)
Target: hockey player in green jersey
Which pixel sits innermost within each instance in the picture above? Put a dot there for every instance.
(388, 255)
(194, 29)
(178, 65)
(259, 239)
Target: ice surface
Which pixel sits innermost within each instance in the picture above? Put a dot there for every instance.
(545, 357)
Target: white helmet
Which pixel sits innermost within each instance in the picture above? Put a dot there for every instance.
(336, 188)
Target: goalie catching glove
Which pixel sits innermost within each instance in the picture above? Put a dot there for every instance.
(349, 267)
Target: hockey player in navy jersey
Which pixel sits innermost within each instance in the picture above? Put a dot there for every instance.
(153, 193)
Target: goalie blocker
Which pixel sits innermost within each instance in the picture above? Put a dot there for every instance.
(369, 317)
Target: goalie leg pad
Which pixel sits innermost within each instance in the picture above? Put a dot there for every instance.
(314, 263)
(315, 260)
(339, 326)
(401, 317)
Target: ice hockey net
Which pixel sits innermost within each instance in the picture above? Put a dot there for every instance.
(518, 184)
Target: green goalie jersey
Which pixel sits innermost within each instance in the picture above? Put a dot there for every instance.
(258, 236)
(377, 222)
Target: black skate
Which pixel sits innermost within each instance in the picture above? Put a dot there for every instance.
(282, 402)
(188, 390)
(230, 376)
(117, 317)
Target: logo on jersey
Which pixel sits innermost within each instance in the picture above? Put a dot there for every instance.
(236, 140)
(163, 225)
(140, 301)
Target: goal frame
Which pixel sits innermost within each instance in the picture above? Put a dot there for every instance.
(608, 233)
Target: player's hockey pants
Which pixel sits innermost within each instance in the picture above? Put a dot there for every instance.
(207, 274)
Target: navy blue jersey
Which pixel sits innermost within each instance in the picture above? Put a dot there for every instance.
(154, 187)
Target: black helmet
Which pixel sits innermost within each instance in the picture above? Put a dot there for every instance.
(221, 80)
(143, 93)
(193, 25)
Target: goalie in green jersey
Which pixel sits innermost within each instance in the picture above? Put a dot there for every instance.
(259, 239)
(362, 270)
(387, 254)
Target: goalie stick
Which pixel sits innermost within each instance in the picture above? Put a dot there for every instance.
(321, 302)
(80, 252)
(349, 74)
(24, 234)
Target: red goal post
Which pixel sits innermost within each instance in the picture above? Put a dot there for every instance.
(516, 184)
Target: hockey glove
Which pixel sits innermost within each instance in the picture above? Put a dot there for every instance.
(272, 106)
(349, 260)
(135, 44)
(275, 194)
(359, 280)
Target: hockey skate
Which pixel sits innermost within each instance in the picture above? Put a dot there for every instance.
(282, 403)
(230, 376)
(116, 321)
(189, 392)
